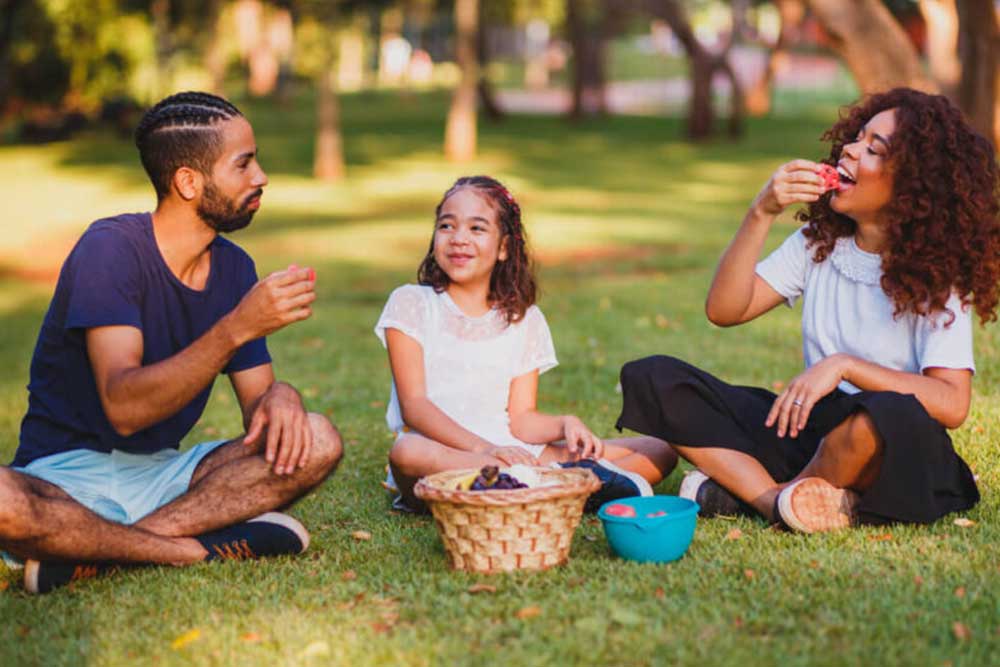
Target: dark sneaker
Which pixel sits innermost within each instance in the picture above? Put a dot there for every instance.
(813, 505)
(45, 576)
(271, 534)
(615, 482)
(712, 498)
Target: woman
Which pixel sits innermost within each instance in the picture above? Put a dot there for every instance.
(891, 264)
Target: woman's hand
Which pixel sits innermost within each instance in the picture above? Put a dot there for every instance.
(580, 441)
(512, 456)
(794, 182)
(792, 407)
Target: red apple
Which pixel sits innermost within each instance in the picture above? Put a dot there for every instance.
(618, 509)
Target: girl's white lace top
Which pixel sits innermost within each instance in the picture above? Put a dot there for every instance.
(469, 362)
(845, 310)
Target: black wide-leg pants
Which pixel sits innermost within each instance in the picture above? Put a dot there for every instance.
(921, 478)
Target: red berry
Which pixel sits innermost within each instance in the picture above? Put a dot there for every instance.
(620, 510)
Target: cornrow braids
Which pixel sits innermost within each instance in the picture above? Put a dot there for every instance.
(513, 288)
(181, 131)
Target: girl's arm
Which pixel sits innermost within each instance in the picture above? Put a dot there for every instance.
(738, 294)
(406, 358)
(530, 425)
(944, 392)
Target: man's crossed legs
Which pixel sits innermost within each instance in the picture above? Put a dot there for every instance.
(40, 522)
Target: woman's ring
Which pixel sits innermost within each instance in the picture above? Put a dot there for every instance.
(797, 402)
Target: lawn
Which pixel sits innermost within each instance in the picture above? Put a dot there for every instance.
(628, 221)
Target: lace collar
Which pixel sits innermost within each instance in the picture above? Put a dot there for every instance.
(855, 264)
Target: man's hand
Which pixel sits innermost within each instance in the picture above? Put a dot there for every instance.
(289, 438)
(280, 299)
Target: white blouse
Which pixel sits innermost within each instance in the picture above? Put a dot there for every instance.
(469, 362)
(845, 310)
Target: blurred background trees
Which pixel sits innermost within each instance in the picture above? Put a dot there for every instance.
(69, 64)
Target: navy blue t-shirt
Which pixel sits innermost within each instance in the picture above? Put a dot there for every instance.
(116, 276)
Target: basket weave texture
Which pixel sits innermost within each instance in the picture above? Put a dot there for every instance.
(500, 531)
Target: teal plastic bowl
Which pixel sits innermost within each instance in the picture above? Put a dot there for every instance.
(660, 539)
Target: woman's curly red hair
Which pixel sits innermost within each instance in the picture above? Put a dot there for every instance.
(944, 228)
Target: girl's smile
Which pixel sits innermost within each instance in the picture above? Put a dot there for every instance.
(865, 173)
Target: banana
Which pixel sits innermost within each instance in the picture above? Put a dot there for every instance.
(465, 483)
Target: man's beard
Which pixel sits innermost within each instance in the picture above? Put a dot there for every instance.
(221, 214)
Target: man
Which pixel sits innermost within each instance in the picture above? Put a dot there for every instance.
(148, 310)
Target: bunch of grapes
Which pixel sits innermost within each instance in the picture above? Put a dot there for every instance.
(490, 478)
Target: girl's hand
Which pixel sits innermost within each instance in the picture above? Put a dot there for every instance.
(791, 409)
(797, 181)
(512, 455)
(580, 442)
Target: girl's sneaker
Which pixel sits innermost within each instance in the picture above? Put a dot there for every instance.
(615, 482)
(712, 498)
(813, 505)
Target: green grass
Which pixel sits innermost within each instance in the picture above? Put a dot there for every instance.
(628, 221)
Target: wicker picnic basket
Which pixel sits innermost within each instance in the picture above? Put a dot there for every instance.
(500, 531)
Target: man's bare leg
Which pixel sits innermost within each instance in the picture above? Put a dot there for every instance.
(237, 483)
(40, 521)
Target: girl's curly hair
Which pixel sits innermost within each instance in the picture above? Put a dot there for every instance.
(513, 288)
(944, 229)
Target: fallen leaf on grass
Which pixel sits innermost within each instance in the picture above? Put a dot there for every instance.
(525, 613)
(626, 617)
(918, 580)
(482, 588)
(962, 522)
(734, 534)
(749, 574)
(192, 635)
(884, 537)
(738, 622)
(660, 593)
(315, 650)
(778, 385)
(361, 535)
(250, 637)
(961, 631)
(814, 564)
(960, 592)
(349, 575)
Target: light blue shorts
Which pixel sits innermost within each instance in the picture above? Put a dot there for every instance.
(119, 486)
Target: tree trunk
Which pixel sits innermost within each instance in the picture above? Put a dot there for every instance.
(460, 131)
(758, 101)
(587, 34)
(328, 162)
(215, 62)
(941, 19)
(487, 96)
(7, 20)
(979, 49)
(872, 44)
(160, 10)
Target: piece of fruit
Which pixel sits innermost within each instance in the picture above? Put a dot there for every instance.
(465, 483)
(312, 274)
(655, 514)
(831, 179)
(618, 509)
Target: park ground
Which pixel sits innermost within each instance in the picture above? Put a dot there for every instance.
(627, 220)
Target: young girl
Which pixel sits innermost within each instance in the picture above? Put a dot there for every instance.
(891, 267)
(466, 347)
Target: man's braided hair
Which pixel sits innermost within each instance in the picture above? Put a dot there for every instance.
(181, 131)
